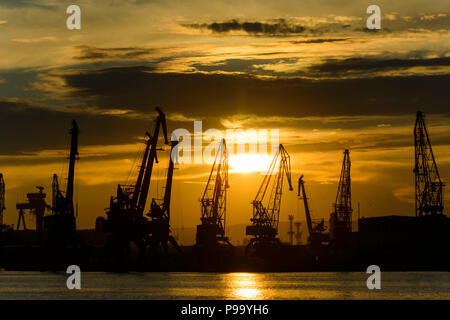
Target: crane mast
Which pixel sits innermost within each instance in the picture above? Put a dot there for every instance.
(214, 202)
(428, 191)
(72, 157)
(316, 235)
(63, 204)
(160, 212)
(61, 224)
(301, 187)
(265, 220)
(341, 218)
(2, 199)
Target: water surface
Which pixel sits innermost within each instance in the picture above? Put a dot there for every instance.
(173, 285)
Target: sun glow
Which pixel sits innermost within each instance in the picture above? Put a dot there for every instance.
(245, 285)
(249, 162)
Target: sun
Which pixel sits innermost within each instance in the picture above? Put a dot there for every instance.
(249, 162)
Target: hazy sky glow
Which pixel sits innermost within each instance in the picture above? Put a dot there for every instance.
(307, 68)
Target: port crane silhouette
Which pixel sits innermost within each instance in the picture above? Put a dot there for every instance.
(428, 184)
(37, 205)
(317, 235)
(264, 228)
(61, 223)
(210, 236)
(159, 226)
(341, 217)
(125, 220)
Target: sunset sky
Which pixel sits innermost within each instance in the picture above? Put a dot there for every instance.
(310, 69)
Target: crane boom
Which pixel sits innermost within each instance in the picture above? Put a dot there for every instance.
(215, 195)
(265, 219)
(61, 225)
(316, 230)
(168, 188)
(132, 198)
(125, 215)
(214, 202)
(301, 187)
(160, 121)
(137, 187)
(72, 157)
(159, 226)
(428, 183)
(343, 203)
(162, 210)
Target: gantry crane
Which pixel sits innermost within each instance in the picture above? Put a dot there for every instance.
(316, 229)
(159, 226)
(264, 228)
(125, 215)
(37, 205)
(341, 218)
(61, 224)
(2, 199)
(211, 232)
(429, 186)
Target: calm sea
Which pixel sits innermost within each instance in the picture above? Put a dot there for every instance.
(170, 285)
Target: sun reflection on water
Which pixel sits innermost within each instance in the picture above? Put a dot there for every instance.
(244, 285)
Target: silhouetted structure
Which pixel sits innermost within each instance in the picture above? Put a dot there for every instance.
(413, 242)
(61, 224)
(317, 235)
(428, 182)
(298, 234)
(125, 216)
(264, 228)
(211, 232)
(291, 229)
(159, 226)
(37, 205)
(341, 218)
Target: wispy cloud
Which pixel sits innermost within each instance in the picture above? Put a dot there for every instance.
(125, 53)
(34, 40)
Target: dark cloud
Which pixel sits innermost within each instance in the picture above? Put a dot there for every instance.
(32, 127)
(338, 25)
(279, 27)
(368, 64)
(127, 53)
(323, 40)
(217, 95)
(212, 98)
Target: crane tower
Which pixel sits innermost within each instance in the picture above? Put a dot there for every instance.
(211, 231)
(341, 218)
(428, 182)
